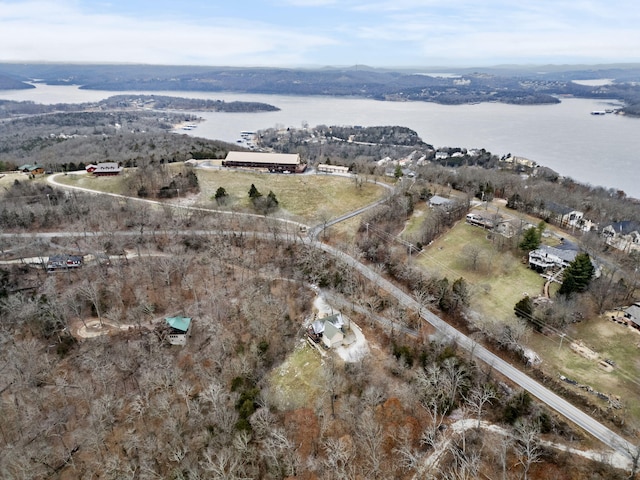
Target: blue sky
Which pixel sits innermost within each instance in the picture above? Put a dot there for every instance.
(381, 33)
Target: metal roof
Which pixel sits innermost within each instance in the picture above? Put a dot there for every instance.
(179, 323)
(261, 157)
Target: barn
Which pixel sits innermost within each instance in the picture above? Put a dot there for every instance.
(272, 162)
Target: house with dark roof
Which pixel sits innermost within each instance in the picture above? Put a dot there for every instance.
(178, 329)
(623, 235)
(567, 217)
(56, 263)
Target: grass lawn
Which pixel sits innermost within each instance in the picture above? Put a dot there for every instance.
(107, 184)
(299, 380)
(311, 197)
(412, 228)
(611, 341)
(499, 279)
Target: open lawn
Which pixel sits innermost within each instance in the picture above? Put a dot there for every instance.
(310, 197)
(412, 228)
(299, 380)
(109, 184)
(611, 341)
(497, 279)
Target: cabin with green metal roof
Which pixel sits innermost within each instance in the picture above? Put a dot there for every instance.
(179, 328)
(31, 169)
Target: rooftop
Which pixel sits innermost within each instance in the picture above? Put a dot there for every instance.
(179, 323)
(261, 157)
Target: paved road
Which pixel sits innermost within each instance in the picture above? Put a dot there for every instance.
(572, 413)
(315, 230)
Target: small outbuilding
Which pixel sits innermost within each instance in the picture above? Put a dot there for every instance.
(339, 169)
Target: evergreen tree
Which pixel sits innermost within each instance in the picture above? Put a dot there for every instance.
(221, 195)
(524, 308)
(577, 275)
(253, 192)
(272, 201)
(531, 239)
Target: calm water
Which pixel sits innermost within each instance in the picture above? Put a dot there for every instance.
(599, 150)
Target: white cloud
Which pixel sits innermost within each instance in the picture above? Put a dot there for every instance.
(297, 32)
(39, 31)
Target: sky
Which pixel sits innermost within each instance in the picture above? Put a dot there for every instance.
(313, 33)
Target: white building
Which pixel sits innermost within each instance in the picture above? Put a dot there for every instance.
(545, 257)
(340, 169)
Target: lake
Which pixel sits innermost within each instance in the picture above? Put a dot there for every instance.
(595, 149)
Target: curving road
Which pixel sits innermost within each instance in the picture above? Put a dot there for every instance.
(560, 405)
(621, 446)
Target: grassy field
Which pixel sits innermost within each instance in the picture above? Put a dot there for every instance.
(498, 280)
(412, 228)
(103, 184)
(311, 197)
(299, 380)
(611, 341)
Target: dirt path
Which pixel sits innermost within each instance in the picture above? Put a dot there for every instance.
(431, 461)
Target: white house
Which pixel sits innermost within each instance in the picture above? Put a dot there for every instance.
(567, 217)
(545, 257)
(325, 168)
(624, 236)
(104, 169)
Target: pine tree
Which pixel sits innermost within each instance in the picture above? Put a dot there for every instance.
(524, 308)
(221, 195)
(253, 192)
(577, 276)
(531, 239)
(272, 200)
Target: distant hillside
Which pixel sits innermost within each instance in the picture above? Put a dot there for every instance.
(9, 83)
(498, 84)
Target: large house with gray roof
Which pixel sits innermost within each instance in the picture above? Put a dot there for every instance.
(546, 258)
(624, 235)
